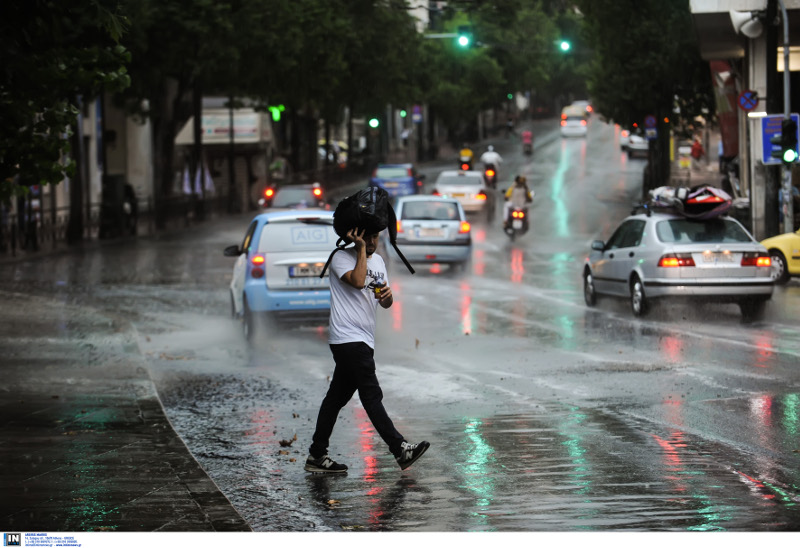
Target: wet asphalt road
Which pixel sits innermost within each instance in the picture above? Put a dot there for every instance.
(543, 415)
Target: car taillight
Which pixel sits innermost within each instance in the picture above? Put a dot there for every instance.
(583, 122)
(518, 214)
(399, 227)
(625, 133)
(480, 195)
(563, 122)
(464, 227)
(257, 271)
(419, 182)
(671, 260)
(317, 192)
(269, 193)
(756, 259)
(705, 200)
(490, 173)
(435, 193)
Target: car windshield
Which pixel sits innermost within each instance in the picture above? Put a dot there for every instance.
(459, 180)
(390, 172)
(290, 197)
(431, 211)
(714, 231)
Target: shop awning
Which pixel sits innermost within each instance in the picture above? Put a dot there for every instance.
(249, 126)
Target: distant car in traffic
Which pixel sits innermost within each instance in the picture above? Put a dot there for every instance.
(574, 121)
(784, 250)
(468, 187)
(665, 255)
(294, 197)
(585, 105)
(637, 144)
(275, 278)
(397, 179)
(433, 229)
(624, 138)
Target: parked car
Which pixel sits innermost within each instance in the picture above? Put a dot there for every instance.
(294, 197)
(397, 179)
(432, 229)
(468, 187)
(637, 144)
(624, 138)
(276, 275)
(663, 255)
(574, 121)
(784, 250)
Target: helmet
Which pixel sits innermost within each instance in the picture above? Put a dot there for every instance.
(491, 148)
(520, 180)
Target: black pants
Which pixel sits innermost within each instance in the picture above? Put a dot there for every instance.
(355, 370)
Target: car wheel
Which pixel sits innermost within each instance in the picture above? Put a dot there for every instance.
(780, 274)
(752, 309)
(248, 323)
(589, 293)
(639, 303)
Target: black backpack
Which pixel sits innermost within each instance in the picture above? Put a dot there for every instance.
(370, 209)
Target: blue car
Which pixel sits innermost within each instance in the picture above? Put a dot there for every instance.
(397, 179)
(276, 275)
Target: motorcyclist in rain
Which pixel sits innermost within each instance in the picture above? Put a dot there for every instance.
(517, 196)
(491, 158)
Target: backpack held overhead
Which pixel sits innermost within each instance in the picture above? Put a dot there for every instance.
(368, 209)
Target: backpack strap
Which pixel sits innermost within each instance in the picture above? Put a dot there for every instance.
(341, 243)
(393, 237)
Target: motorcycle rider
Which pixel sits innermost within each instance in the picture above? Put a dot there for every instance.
(465, 155)
(517, 196)
(491, 158)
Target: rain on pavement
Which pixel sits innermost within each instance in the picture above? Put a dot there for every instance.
(542, 415)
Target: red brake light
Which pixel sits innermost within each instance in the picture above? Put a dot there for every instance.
(435, 193)
(625, 133)
(317, 192)
(756, 259)
(490, 172)
(258, 259)
(464, 227)
(671, 260)
(518, 214)
(563, 122)
(399, 226)
(269, 193)
(480, 195)
(563, 116)
(583, 122)
(589, 108)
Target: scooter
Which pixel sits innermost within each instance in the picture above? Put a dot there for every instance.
(517, 222)
(490, 175)
(527, 142)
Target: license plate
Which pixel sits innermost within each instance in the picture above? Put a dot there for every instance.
(304, 271)
(391, 184)
(717, 258)
(516, 223)
(430, 232)
(459, 194)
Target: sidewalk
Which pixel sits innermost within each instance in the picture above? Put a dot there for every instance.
(86, 445)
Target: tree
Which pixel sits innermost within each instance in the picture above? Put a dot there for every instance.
(646, 59)
(53, 54)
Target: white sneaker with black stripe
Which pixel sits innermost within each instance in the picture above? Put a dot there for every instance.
(411, 452)
(324, 465)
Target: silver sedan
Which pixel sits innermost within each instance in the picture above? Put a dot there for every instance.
(659, 255)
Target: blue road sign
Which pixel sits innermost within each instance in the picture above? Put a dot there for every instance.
(650, 121)
(748, 100)
(770, 127)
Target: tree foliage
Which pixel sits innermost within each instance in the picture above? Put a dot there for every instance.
(53, 54)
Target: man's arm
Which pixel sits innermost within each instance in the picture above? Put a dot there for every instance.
(358, 276)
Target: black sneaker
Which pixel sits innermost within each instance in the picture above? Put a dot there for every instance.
(324, 465)
(411, 452)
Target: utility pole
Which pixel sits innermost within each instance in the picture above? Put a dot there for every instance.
(788, 197)
(772, 177)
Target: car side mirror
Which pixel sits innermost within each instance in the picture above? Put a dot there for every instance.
(232, 251)
(598, 245)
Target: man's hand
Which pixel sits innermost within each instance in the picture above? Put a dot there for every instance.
(357, 237)
(385, 298)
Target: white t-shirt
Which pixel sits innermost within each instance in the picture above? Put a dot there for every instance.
(353, 310)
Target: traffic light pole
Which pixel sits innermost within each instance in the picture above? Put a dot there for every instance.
(788, 198)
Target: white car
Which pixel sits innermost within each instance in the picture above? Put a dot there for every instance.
(624, 138)
(637, 145)
(468, 187)
(433, 229)
(574, 122)
(276, 273)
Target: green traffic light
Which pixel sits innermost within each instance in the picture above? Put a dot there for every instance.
(403, 113)
(789, 155)
(374, 123)
(463, 41)
(565, 45)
